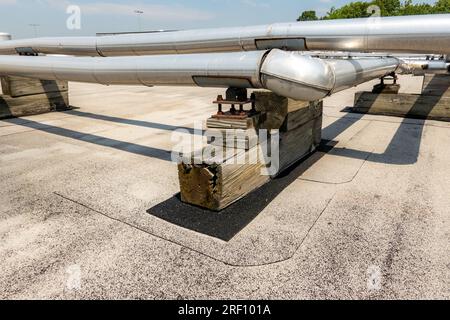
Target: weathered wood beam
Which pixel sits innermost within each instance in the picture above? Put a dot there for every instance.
(19, 86)
(32, 105)
(432, 107)
(25, 97)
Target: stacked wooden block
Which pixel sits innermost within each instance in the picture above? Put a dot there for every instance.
(433, 103)
(214, 180)
(24, 96)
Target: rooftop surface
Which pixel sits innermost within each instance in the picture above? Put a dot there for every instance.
(88, 207)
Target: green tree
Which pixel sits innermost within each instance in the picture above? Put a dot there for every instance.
(409, 8)
(359, 9)
(351, 10)
(388, 7)
(442, 6)
(308, 16)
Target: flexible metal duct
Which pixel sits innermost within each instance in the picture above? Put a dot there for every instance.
(288, 74)
(421, 34)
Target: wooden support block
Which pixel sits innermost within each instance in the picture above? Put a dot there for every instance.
(253, 122)
(302, 114)
(317, 129)
(25, 96)
(33, 104)
(238, 139)
(216, 184)
(299, 143)
(19, 86)
(403, 105)
(285, 114)
(299, 123)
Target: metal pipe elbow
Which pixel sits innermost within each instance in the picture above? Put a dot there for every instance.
(296, 76)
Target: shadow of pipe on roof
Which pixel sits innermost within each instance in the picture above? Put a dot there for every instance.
(95, 139)
(404, 147)
(140, 123)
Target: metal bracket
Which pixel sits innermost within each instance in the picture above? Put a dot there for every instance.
(235, 97)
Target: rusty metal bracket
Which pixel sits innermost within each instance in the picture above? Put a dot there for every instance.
(234, 100)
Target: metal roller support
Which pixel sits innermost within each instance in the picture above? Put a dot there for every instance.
(288, 74)
(412, 34)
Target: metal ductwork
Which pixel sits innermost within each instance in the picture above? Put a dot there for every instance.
(288, 74)
(412, 34)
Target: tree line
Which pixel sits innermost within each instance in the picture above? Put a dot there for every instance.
(360, 9)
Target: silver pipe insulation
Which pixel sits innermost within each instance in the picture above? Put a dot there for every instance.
(288, 74)
(411, 34)
(420, 67)
(417, 64)
(5, 36)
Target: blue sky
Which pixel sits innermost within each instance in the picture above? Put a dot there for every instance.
(118, 15)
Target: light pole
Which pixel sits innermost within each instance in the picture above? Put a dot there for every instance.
(139, 13)
(35, 27)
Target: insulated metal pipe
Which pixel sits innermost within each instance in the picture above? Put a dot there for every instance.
(288, 74)
(417, 64)
(215, 70)
(4, 36)
(412, 34)
(421, 67)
